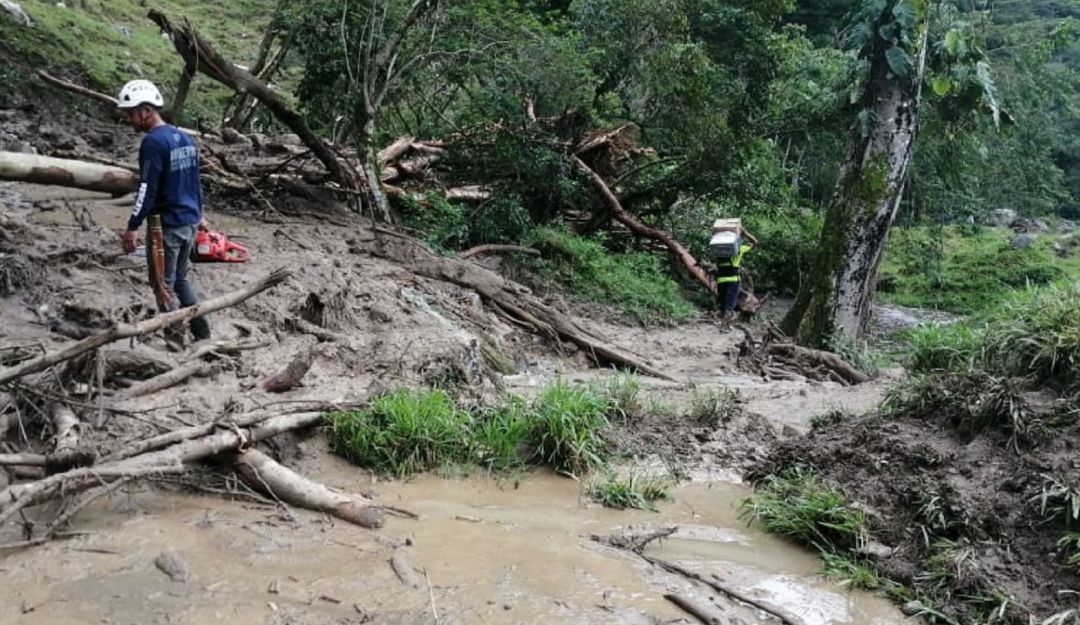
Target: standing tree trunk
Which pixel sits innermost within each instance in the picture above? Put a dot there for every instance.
(182, 89)
(833, 306)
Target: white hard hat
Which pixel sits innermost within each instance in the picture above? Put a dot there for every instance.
(139, 92)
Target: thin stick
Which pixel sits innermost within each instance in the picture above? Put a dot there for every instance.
(431, 596)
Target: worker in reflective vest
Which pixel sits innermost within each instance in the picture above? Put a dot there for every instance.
(728, 279)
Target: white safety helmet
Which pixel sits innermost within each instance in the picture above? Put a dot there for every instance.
(139, 92)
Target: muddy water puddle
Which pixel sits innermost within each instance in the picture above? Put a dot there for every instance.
(494, 551)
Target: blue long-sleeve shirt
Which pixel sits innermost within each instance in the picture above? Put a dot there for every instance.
(168, 179)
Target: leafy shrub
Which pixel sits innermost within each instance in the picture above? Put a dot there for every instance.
(954, 347)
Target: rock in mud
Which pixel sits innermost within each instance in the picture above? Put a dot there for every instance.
(1066, 226)
(1001, 217)
(174, 565)
(1023, 241)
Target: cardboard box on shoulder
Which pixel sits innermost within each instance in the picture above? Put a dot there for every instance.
(733, 224)
(725, 243)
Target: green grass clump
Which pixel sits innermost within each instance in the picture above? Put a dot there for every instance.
(111, 42)
(403, 432)
(500, 435)
(1037, 333)
(638, 491)
(567, 426)
(712, 406)
(795, 503)
(623, 390)
(965, 271)
(636, 284)
(407, 431)
(953, 347)
(849, 570)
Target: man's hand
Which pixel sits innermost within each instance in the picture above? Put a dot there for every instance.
(203, 224)
(128, 241)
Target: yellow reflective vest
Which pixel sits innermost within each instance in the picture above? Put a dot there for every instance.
(727, 269)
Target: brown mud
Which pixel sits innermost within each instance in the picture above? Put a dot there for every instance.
(928, 491)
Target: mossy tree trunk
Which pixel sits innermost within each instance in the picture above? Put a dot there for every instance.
(833, 306)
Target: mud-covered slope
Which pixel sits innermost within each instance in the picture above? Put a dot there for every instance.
(963, 519)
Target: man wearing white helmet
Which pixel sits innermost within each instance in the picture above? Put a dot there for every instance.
(169, 191)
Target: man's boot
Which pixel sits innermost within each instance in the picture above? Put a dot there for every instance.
(174, 337)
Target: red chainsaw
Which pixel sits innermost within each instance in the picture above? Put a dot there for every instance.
(215, 247)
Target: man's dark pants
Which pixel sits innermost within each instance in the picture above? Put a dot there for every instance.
(179, 242)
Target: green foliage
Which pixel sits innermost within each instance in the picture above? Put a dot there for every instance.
(623, 391)
(712, 406)
(439, 222)
(849, 571)
(964, 272)
(795, 503)
(633, 283)
(567, 428)
(407, 431)
(112, 42)
(638, 491)
(501, 434)
(953, 347)
(1037, 333)
(1070, 544)
(1059, 500)
(403, 432)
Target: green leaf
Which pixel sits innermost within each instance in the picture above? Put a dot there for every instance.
(941, 85)
(905, 14)
(900, 62)
(954, 43)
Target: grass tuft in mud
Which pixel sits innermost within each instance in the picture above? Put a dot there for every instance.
(636, 491)
(567, 425)
(404, 431)
(408, 431)
(796, 504)
(712, 406)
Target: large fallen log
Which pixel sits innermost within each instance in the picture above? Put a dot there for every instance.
(19, 167)
(224, 437)
(166, 380)
(611, 201)
(510, 297)
(263, 473)
(198, 53)
(124, 330)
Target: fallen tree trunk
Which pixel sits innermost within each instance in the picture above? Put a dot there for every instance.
(76, 89)
(225, 437)
(493, 248)
(22, 460)
(19, 167)
(263, 473)
(513, 299)
(615, 206)
(123, 330)
(166, 380)
(197, 52)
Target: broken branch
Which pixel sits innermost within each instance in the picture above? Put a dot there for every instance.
(123, 330)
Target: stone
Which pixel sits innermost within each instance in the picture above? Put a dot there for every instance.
(1039, 225)
(17, 13)
(24, 147)
(173, 564)
(1066, 226)
(233, 137)
(1023, 241)
(1000, 217)
(911, 608)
